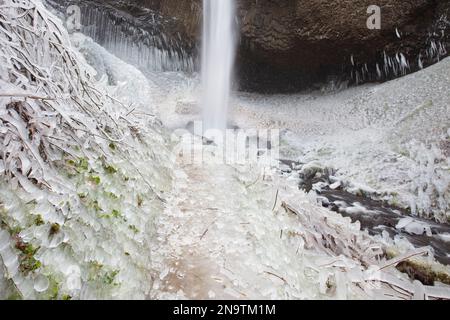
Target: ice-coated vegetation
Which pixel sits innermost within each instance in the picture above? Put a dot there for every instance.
(82, 176)
(431, 180)
(388, 141)
(272, 242)
(93, 204)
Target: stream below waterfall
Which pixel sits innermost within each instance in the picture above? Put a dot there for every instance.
(378, 216)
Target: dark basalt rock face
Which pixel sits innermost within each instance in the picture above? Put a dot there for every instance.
(288, 45)
(297, 43)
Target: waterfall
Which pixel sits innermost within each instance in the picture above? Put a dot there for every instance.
(217, 61)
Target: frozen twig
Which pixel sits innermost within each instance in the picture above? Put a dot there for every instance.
(24, 95)
(407, 256)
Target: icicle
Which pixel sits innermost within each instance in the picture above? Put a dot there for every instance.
(397, 58)
(420, 63)
(378, 71)
(386, 64)
(153, 52)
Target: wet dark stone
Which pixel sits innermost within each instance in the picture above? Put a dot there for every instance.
(288, 45)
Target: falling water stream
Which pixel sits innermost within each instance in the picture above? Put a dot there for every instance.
(217, 61)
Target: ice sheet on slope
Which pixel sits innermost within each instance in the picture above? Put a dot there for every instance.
(232, 245)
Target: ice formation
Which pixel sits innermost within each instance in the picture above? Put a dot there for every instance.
(145, 47)
(388, 141)
(94, 205)
(396, 65)
(270, 242)
(82, 176)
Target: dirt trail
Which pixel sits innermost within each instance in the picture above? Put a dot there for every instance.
(192, 268)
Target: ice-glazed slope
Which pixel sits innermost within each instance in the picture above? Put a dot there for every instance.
(83, 174)
(392, 139)
(236, 232)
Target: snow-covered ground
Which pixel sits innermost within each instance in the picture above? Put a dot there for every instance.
(230, 233)
(388, 141)
(153, 226)
(225, 234)
(201, 234)
(391, 141)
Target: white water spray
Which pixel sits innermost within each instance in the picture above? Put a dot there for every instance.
(217, 61)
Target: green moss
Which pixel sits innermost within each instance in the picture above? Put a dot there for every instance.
(98, 273)
(110, 169)
(30, 264)
(112, 195)
(423, 273)
(82, 195)
(394, 202)
(15, 230)
(94, 204)
(29, 249)
(140, 200)
(116, 214)
(14, 296)
(404, 153)
(112, 146)
(134, 229)
(27, 261)
(54, 229)
(38, 221)
(96, 265)
(53, 289)
(83, 164)
(94, 179)
(66, 297)
(110, 277)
